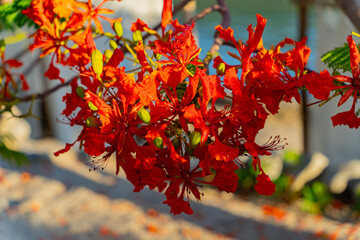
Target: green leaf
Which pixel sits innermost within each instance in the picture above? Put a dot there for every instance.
(338, 58)
(292, 158)
(319, 189)
(12, 156)
(308, 194)
(309, 206)
(11, 16)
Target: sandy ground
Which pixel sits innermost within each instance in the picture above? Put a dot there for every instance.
(58, 198)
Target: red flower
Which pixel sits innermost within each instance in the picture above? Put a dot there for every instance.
(183, 182)
(264, 185)
(180, 50)
(349, 118)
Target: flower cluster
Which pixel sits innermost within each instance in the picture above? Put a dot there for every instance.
(160, 120)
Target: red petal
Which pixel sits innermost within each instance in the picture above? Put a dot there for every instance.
(346, 96)
(179, 206)
(116, 58)
(319, 85)
(354, 54)
(138, 25)
(222, 152)
(264, 185)
(348, 118)
(225, 180)
(89, 40)
(226, 34)
(14, 63)
(53, 73)
(25, 85)
(166, 14)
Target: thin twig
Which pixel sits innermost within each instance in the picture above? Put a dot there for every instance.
(43, 94)
(203, 13)
(225, 23)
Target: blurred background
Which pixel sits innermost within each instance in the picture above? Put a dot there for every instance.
(317, 195)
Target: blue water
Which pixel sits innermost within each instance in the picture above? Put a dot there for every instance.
(282, 22)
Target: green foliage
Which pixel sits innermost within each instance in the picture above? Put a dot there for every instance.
(191, 68)
(11, 16)
(11, 156)
(338, 59)
(292, 158)
(282, 184)
(315, 197)
(247, 177)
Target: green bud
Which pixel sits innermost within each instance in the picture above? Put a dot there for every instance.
(158, 142)
(97, 62)
(176, 142)
(118, 28)
(2, 44)
(177, 131)
(194, 138)
(137, 36)
(113, 45)
(92, 106)
(220, 70)
(158, 56)
(92, 122)
(2, 47)
(144, 115)
(80, 91)
(108, 54)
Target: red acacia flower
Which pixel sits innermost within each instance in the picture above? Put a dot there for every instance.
(180, 50)
(183, 181)
(349, 118)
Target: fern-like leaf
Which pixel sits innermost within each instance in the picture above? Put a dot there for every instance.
(338, 58)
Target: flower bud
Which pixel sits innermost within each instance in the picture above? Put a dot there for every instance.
(118, 28)
(144, 115)
(92, 106)
(2, 46)
(97, 62)
(92, 122)
(137, 36)
(220, 70)
(113, 45)
(108, 54)
(158, 142)
(158, 56)
(80, 91)
(194, 138)
(177, 131)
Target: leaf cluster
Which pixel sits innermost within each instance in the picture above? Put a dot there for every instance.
(11, 16)
(11, 156)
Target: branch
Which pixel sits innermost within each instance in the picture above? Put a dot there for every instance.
(225, 23)
(43, 94)
(203, 13)
(352, 9)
